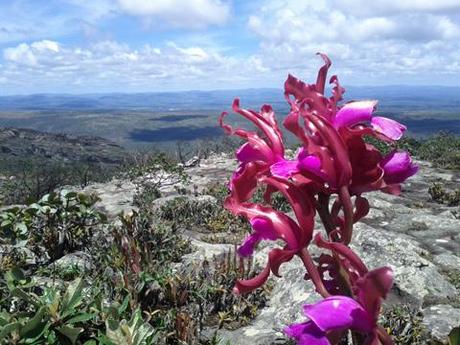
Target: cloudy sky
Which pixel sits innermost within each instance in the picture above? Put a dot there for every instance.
(81, 46)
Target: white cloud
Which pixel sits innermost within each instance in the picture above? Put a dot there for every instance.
(386, 7)
(30, 55)
(46, 45)
(112, 66)
(382, 41)
(191, 13)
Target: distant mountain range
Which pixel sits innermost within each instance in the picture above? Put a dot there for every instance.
(198, 100)
(160, 120)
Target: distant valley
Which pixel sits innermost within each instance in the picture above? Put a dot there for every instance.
(160, 120)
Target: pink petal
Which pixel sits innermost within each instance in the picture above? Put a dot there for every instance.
(304, 162)
(247, 247)
(264, 228)
(398, 167)
(306, 333)
(388, 127)
(248, 153)
(353, 113)
(338, 312)
(285, 168)
(309, 162)
(242, 185)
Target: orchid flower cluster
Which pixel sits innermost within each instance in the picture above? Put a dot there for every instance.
(330, 173)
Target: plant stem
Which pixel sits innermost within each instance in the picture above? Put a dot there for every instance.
(322, 206)
(313, 273)
(347, 205)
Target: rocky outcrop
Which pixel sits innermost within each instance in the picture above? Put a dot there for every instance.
(27, 143)
(418, 238)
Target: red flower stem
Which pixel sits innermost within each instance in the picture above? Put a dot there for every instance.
(347, 205)
(322, 206)
(313, 273)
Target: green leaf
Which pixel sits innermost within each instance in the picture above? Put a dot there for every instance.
(90, 342)
(454, 336)
(8, 329)
(134, 332)
(30, 298)
(6, 223)
(114, 333)
(82, 317)
(35, 326)
(72, 297)
(68, 195)
(21, 228)
(122, 308)
(70, 333)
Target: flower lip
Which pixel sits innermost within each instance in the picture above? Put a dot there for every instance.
(337, 312)
(398, 167)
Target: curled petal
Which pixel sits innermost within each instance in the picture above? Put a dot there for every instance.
(303, 92)
(322, 73)
(284, 226)
(266, 123)
(354, 113)
(338, 312)
(242, 184)
(337, 92)
(361, 208)
(245, 286)
(279, 256)
(343, 250)
(388, 127)
(301, 204)
(373, 287)
(398, 167)
(276, 257)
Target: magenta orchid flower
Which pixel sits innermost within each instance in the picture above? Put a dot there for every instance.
(335, 133)
(334, 161)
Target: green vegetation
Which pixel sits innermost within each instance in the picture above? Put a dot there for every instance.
(439, 194)
(139, 283)
(133, 289)
(405, 325)
(441, 149)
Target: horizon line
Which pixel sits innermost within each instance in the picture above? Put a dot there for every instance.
(216, 90)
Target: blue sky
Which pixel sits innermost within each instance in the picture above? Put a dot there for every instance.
(86, 46)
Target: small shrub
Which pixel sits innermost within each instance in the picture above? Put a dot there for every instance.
(439, 194)
(59, 222)
(404, 325)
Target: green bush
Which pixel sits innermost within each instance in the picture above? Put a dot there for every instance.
(439, 194)
(59, 222)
